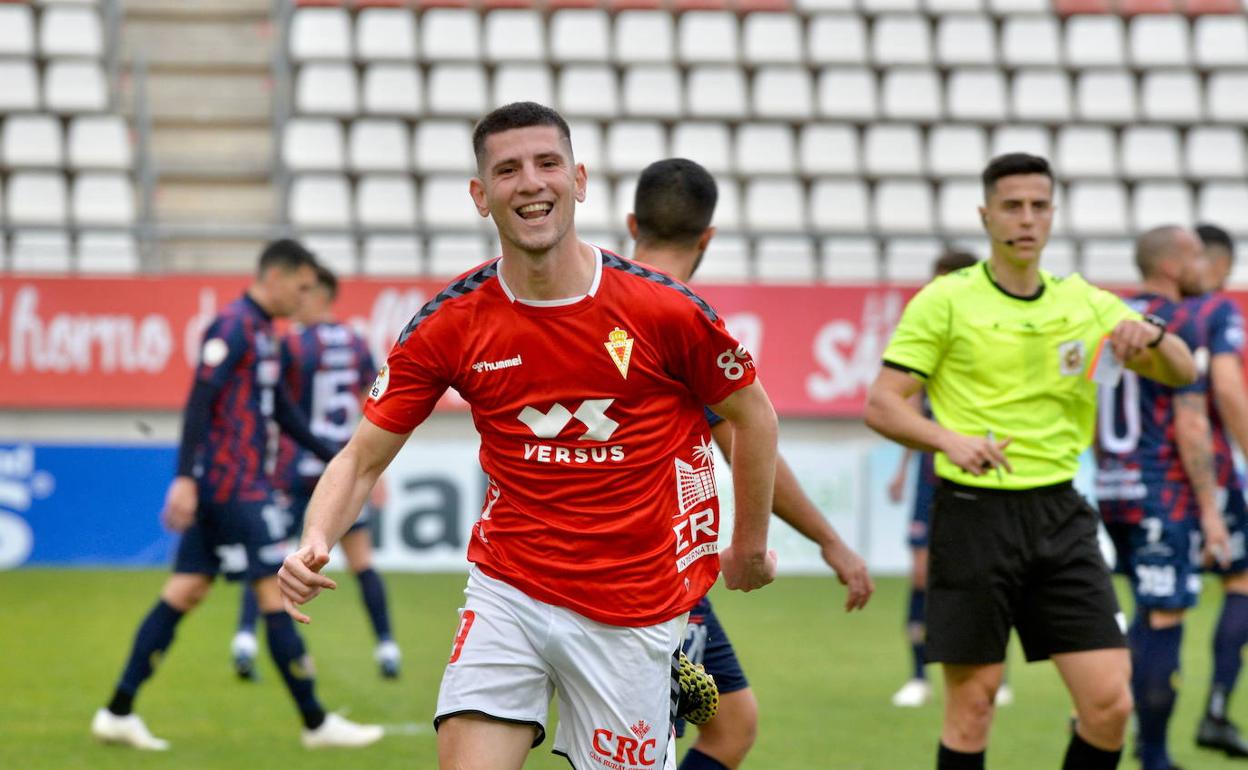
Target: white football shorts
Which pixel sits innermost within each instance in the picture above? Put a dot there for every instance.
(616, 684)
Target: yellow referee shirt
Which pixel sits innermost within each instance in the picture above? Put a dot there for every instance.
(1016, 366)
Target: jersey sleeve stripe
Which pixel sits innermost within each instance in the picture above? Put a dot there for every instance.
(616, 262)
(904, 368)
(458, 288)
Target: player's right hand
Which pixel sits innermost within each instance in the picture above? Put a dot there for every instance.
(976, 454)
(1217, 548)
(180, 503)
(300, 579)
(747, 573)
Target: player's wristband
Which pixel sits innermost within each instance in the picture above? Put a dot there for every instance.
(1161, 329)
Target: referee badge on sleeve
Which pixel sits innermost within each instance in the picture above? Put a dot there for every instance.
(1070, 357)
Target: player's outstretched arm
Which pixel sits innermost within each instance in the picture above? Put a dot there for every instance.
(747, 564)
(1191, 433)
(335, 504)
(1170, 362)
(794, 507)
(1226, 376)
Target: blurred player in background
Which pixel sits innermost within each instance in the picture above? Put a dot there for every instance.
(586, 374)
(917, 691)
(1223, 326)
(671, 226)
(1004, 350)
(327, 369)
(1156, 487)
(223, 502)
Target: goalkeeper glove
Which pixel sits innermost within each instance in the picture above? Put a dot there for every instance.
(699, 697)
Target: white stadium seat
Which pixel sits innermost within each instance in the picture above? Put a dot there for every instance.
(320, 33)
(337, 252)
(385, 201)
(107, 253)
(1059, 257)
(1150, 151)
(783, 92)
(451, 255)
(378, 144)
(963, 40)
(626, 193)
(1011, 7)
(1110, 261)
(903, 206)
(645, 37)
(818, 6)
(450, 34)
(392, 89)
(1106, 96)
(958, 206)
(849, 260)
(876, 7)
(523, 83)
(772, 38)
(446, 204)
(1095, 41)
(458, 89)
(1221, 41)
(103, 198)
(785, 259)
(1029, 139)
(1086, 151)
(326, 89)
(707, 143)
(717, 92)
(40, 251)
(21, 85)
(1215, 151)
(728, 209)
(1031, 41)
(1225, 203)
(632, 144)
(17, 30)
(392, 255)
(99, 141)
(828, 148)
(31, 141)
(847, 94)
(1160, 203)
(1097, 208)
(837, 39)
(70, 31)
(840, 205)
(910, 259)
(891, 150)
(36, 198)
(513, 34)
(588, 91)
(320, 200)
(956, 150)
(385, 34)
(977, 95)
(443, 146)
(912, 94)
(313, 144)
(653, 91)
(708, 37)
(587, 144)
(580, 35)
(775, 205)
(727, 261)
(1172, 96)
(901, 40)
(766, 148)
(1042, 95)
(596, 212)
(74, 86)
(1225, 96)
(1159, 40)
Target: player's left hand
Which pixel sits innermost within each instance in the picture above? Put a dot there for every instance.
(1217, 547)
(1130, 338)
(747, 573)
(181, 501)
(851, 570)
(300, 579)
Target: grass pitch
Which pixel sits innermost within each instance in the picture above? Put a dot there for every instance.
(823, 680)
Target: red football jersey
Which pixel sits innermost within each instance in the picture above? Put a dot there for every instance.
(601, 492)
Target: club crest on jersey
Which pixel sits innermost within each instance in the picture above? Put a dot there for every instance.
(620, 346)
(1070, 357)
(380, 384)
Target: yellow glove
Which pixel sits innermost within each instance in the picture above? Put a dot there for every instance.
(699, 697)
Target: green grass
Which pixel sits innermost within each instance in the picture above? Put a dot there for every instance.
(823, 680)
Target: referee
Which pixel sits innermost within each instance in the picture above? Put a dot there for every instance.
(1005, 351)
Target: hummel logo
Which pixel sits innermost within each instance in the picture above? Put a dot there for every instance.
(591, 413)
(489, 366)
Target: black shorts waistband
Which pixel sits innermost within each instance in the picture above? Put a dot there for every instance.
(1049, 489)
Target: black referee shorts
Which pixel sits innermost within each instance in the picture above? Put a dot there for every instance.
(1026, 559)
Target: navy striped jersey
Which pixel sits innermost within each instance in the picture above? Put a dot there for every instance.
(1223, 326)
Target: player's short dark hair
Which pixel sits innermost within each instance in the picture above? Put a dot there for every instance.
(326, 279)
(512, 116)
(1013, 164)
(287, 254)
(1154, 245)
(674, 202)
(1212, 235)
(953, 260)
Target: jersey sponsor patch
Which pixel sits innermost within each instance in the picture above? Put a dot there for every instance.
(380, 384)
(620, 346)
(214, 352)
(1070, 357)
